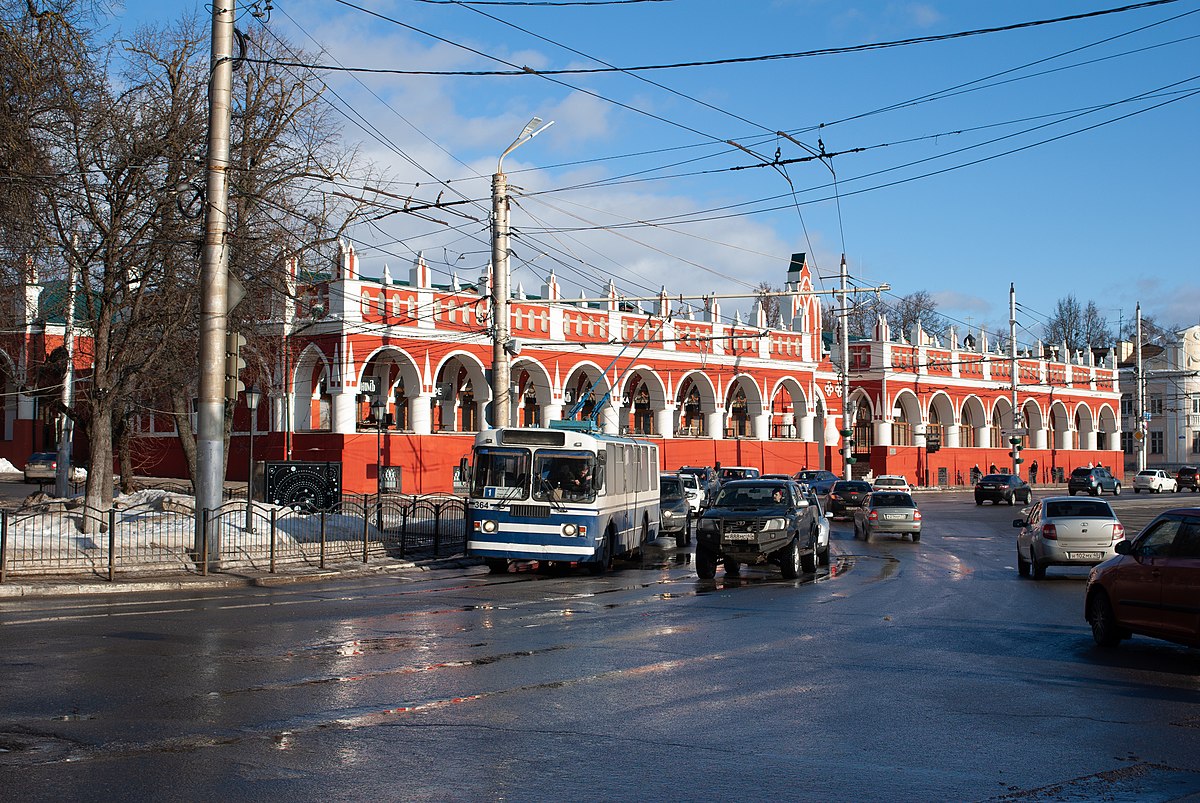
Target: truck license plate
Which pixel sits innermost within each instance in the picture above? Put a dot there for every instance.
(739, 536)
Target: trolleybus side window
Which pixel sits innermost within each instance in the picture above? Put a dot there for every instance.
(502, 473)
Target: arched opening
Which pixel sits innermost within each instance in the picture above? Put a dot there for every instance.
(974, 422)
(1002, 419)
(790, 416)
(1107, 435)
(941, 427)
(461, 394)
(864, 436)
(531, 394)
(906, 419)
(695, 404)
(1085, 426)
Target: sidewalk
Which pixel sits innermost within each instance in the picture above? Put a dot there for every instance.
(132, 582)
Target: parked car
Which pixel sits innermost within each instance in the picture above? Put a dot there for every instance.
(41, 467)
(817, 479)
(891, 482)
(693, 491)
(846, 496)
(756, 522)
(707, 477)
(1187, 478)
(727, 473)
(1061, 531)
(675, 515)
(998, 488)
(1152, 585)
(888, 512)
(1093, 480)
(1155, 481)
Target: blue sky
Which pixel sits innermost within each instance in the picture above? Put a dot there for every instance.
(1060, 157)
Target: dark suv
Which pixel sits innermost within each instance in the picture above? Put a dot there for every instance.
(1094, 481)
(846, 496)
(1187, 477)
(757, 521)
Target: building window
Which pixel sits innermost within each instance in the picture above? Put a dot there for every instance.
(1196, 404)
(1127, 442)
(1156, 442)
(1195, 441)
(1126, 404)
(1154, 405)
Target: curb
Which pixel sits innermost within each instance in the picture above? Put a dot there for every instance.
(52, 586)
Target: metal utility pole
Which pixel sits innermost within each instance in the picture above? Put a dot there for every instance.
(844, 360)
(1017, 434)
(501, 373)
(210, 412)
(1139, 431)
(66, 429)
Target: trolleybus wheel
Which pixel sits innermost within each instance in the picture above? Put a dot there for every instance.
(496, 565)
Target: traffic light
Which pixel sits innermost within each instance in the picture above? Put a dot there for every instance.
(1015, 454)
(234, 363)
(848, 446)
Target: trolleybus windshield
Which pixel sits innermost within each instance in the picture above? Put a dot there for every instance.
(564, 476)
(500, 473)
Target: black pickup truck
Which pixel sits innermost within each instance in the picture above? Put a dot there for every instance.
(755, 522)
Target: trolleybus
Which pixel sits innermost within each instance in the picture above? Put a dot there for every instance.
(565, 493)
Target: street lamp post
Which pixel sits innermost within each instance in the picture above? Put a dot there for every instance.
(378, 406)
(253, 397)
(500, 279)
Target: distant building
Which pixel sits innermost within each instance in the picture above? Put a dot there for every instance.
(1172, 401)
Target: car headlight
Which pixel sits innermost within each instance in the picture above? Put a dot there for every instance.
(668, 514)
(774, 524)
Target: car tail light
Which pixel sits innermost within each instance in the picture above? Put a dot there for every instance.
(1049, 532)
(1118, 532)
(874, 515)
(916, 515)
(834, 496)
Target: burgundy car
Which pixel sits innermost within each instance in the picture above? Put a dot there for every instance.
(1152, 586)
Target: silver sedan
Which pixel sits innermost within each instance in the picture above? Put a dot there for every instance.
(1065, 531)
(892, 512)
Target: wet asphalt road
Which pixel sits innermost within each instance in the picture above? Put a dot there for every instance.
(925, 671)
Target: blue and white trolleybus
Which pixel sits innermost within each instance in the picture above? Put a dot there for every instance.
(565, 493)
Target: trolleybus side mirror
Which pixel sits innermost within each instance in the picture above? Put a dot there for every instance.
(464, 470)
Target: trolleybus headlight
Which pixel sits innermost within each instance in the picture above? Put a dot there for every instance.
(569, 530)
(489, 526)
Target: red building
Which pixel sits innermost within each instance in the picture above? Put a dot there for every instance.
(706, 388)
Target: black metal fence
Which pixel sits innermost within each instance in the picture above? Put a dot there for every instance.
(160, 537)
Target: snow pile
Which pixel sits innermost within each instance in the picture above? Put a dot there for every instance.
(7, 467)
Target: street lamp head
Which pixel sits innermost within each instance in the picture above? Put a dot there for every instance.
(531, 130)
(253, 397)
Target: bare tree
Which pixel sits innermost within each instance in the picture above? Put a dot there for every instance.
(904, 313)
(1079, 326)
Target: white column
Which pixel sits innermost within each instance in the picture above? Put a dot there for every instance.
(1037, 438)
(608, 419)
(762, 426)
(714, 423)
(804, 425)
(342, 416)
(883, 432)
(952, 436)
(1088, 440)
(420, 418)
(664, 421)
(551, 412)
(983, 437)
(1068, 439)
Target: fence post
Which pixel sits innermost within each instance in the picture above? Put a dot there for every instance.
(404, 511)
(204, 542)
(112, 543)
(272, 540)
(364, 529)
(437, 530)
(322, 539)
(3, 543)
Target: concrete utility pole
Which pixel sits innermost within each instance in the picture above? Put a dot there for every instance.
(1139, 426)
(210, 413)
(501, 373)
(66, 433)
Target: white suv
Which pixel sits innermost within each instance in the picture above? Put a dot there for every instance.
(890, 482)
(1155, 481)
